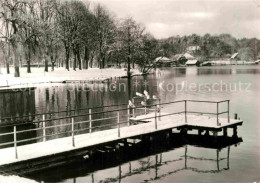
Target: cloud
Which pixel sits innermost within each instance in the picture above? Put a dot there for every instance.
(165, 18)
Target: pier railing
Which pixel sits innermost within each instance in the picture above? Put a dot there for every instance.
(118, 121)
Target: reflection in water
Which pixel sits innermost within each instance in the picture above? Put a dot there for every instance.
(69, 100)
(74, 96)
(149, 163)
(78, 95)
(16, 103)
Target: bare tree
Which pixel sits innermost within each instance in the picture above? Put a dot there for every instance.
(105, 32)
(10, 15)
(131, 34)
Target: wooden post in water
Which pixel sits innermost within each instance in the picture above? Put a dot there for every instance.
(228, 116)
(43, 128)
(15, 143)
(225, 133)
(186, 121)
(228, 152)
(185, 155)
(155, 118)
(218, 159)
(72, 132)
(118, 124)
(90, 120)
(217, 115)
(234, 132)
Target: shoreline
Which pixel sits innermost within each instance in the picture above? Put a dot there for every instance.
(59, 76)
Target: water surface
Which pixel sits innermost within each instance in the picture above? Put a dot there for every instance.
(240, 84)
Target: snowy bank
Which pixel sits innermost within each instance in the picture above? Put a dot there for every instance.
(15, 179)
(59, 75)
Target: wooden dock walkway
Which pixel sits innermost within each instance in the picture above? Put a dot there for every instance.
(135, 127)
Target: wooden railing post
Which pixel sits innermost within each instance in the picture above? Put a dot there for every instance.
(90, 120)
(155, 118)
(15, 143)
(228, 116)
(72, 132)
(185, 103)
(128, 115)
(43, 128)
(118, 124)
(217, 115)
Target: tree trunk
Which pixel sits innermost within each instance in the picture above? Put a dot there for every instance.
(16, 63)
(128, 66)
(78, 58)
(67, 58)
(46, 65)
(91, 60)
(29, 61)
(129, 54)
(100, 62)
(7, 67)
(16, 70)
(103, 61)
(75, 60)
(86, 57)
(133, 64)
(52, 63)
(28, 66)
(117, 60)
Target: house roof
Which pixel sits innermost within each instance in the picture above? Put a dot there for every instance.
(188, 56)
(162, 59)
(193, 48)
(234, 55)
(179, 56)
(191, 62)
(176, 57)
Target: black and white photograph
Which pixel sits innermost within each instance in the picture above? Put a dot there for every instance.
(129, 91)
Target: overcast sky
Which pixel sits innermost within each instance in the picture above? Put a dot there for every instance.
(165, 18)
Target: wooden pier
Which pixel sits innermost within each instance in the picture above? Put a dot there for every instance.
(126, 163)
(152, 120)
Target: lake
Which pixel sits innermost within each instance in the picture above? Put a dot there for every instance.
(240, 84)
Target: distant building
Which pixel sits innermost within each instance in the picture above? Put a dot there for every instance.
(234, 58)
(164, 61)
(189, 56)
(192, 63)
(193, 49)
(182, 58)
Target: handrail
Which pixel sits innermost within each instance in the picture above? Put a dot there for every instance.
(90, 121)
(63, 111)
(102, 112)
(59, 118)
(97, 107)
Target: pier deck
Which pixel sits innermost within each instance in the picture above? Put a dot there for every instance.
(151, 125)
(140, 124)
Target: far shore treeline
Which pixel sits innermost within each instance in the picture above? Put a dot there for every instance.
(78, 34)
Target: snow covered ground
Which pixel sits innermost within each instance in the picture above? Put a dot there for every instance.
(14, 179)
(57, 76)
